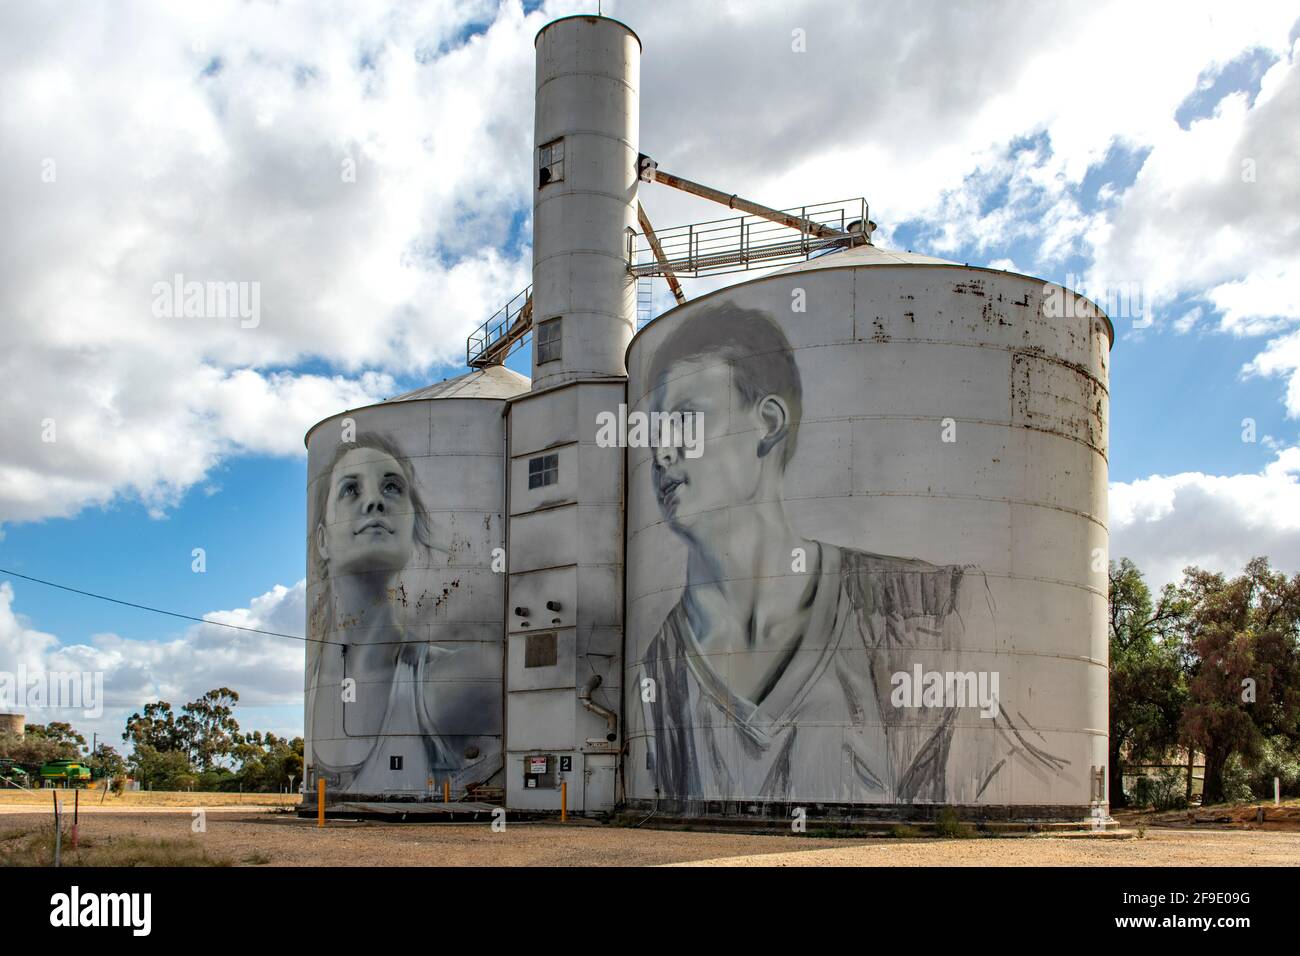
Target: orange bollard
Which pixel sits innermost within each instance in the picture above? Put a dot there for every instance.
(446, 791)
(564, 801)
(320, 802)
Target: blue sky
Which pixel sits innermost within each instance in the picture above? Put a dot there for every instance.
(209, 142)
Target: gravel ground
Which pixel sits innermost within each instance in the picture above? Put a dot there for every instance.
(286, 841)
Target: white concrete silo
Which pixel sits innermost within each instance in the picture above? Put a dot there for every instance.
(565, 531)
(406, 519)
(584, 198)
(950, 472)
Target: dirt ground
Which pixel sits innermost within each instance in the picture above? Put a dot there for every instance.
(1231, 816)
(278, 839)
(144, 798)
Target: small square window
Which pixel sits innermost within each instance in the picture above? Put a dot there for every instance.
(540, 650)
(548, 341)
(543, 470)
(550, 163)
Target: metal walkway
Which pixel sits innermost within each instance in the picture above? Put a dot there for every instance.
(502, 334)
(748, 242)
(704, 248)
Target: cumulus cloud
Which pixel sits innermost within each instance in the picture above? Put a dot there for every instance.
(369, 169)
(358, 168)
(1218, 522)
(266, 671)
(1281, 357)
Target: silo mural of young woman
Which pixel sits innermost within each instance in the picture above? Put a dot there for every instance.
(378, 707)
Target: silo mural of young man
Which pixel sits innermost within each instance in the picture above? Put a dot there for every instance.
(773, 672)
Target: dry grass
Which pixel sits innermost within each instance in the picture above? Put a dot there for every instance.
(150, 798)
(35, 847)
(1222, 815)
(259, 838)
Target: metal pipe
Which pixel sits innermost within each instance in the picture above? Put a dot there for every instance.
(505, 587)
(732, 201)
(658, 250)
(611, 718)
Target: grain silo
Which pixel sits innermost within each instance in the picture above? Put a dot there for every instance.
(832, 537)
(566, 490)
(404, 664)
(13, 723)
(882, 579)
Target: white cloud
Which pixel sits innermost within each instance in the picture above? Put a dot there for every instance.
(1188, 320)
(267, 671)
(1280, 357)
(211, 139)
(1218, 522)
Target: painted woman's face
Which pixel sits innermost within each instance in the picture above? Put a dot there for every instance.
(369, 517)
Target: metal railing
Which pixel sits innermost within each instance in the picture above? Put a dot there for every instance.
(747, 242)
(503, 334)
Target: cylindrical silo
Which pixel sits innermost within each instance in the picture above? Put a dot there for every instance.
(584, 198)
(405, 591)
(877, 576)
(13, 723)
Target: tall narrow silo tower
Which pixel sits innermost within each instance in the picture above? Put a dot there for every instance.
(565, 532)
(584, 198)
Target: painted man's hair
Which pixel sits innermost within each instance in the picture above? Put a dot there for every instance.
(762, 362)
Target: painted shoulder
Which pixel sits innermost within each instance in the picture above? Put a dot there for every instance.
(667, 646)
(908, 587)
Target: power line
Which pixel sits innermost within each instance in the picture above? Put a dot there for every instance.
(157, 610)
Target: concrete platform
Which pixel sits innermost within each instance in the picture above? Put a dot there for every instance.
(425, 811)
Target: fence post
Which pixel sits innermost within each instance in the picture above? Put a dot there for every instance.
(58, 830)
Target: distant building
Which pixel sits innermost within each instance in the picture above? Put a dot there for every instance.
(13, 723)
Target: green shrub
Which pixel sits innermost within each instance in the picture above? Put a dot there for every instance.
(1278, 757)
(1236, 781)
(948, 825)
(1166, 789)
(1143, 793)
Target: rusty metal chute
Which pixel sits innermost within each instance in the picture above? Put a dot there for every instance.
(655, 247)
(763, 237)
(732, 201)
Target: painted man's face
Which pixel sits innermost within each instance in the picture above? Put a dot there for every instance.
(695, 493)
(369, 517)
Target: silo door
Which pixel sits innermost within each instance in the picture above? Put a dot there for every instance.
(598, 783)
